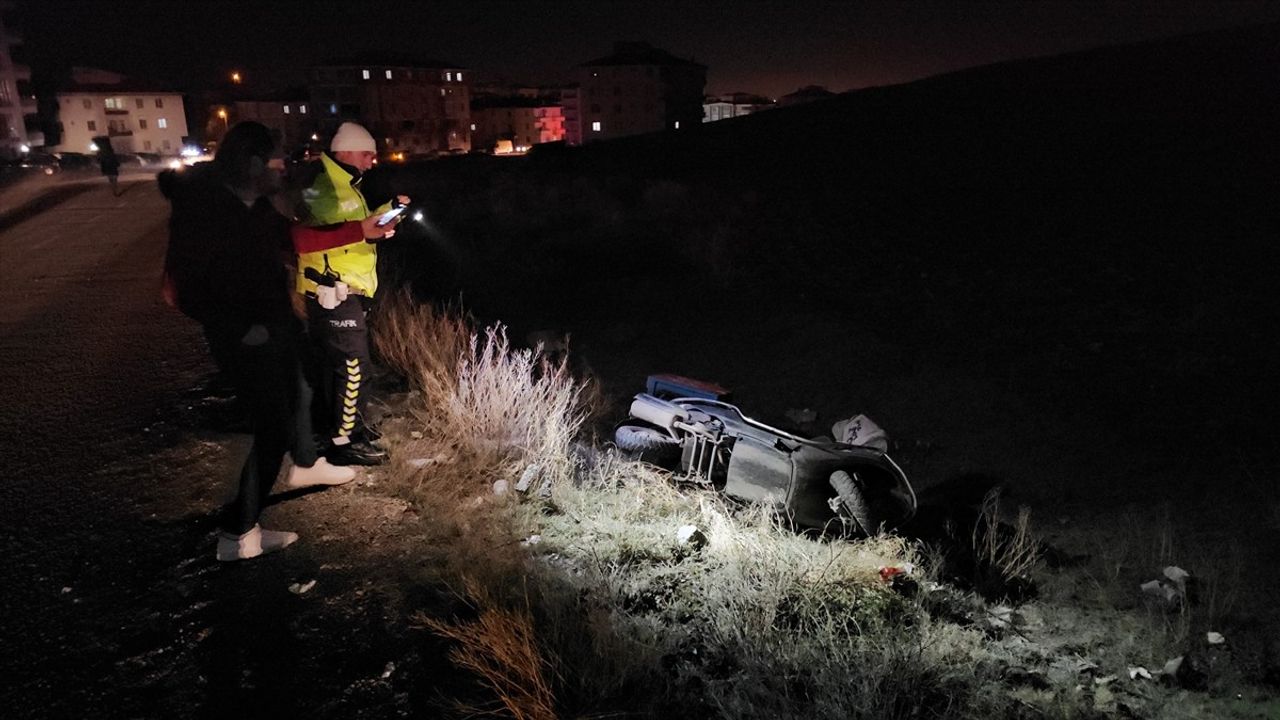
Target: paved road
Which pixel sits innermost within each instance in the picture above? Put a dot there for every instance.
(110, 602)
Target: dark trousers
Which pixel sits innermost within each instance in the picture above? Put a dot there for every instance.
(269, 381)
(342, 344)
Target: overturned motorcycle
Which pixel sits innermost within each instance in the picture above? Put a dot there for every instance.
(818, 483)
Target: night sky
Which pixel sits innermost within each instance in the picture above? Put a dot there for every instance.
(769, 48)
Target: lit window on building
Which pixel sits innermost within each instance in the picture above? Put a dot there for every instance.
(473, 127)
(448, 76)
(388, 74)
(364, 74)
(677, 124)
(286, 109)
(162, 123)
(459, 77)
(113, 103)
(302, 109)
(595, 126)
(333, 108)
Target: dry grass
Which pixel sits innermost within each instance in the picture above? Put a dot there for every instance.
(484, 409)
(608, 610)
(1010, 553)
(501, 647)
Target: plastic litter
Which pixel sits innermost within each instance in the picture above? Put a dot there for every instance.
(302, 588)
(1214, 638)
(1177, 576)
(861, 430)
(889, 572)
(1139, 672)
(691, 535)
(1172, 590)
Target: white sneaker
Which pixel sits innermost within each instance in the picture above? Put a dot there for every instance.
(322, 473)
(253, 543)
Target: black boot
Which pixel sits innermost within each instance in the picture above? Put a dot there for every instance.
(356, 453)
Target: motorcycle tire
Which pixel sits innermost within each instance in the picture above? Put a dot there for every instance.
(647, 444)
(854, 500)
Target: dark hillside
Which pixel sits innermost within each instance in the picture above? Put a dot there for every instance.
(1095, 233)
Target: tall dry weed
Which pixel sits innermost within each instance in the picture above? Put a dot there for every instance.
(500, 646)
(1005, 555)
(485, 408)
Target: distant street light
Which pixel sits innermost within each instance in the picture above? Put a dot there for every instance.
(235, 77)
(222, 113)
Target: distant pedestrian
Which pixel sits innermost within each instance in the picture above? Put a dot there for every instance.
(108, 163)
(227, 272)
(335, 239)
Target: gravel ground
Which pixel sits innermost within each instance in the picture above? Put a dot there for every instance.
(113, 605)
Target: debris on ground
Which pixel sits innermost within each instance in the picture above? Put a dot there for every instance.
(1170, 592)
(861, 430)
(691, 536)
(302, 588)
(528, 477)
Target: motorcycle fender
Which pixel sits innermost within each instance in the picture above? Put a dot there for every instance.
(758, 472)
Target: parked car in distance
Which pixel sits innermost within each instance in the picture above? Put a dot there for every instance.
(75, 161)
(39, 161)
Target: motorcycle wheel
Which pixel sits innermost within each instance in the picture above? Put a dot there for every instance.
(853, 498)
(648, 444)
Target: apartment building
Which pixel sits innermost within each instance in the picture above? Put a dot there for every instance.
(723, 107)
(18, 121)
(411, 105)
(637, 89)
(291, 115)
(136, 117)
(515, 124)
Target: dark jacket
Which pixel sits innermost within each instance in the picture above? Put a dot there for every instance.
(224, 258)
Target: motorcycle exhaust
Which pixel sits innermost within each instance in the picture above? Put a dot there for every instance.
(659, 412)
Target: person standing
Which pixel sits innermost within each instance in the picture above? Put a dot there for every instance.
(108, 163)
(335, 240)
(226, 271)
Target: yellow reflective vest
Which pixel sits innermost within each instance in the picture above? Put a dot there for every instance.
(330, 238)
